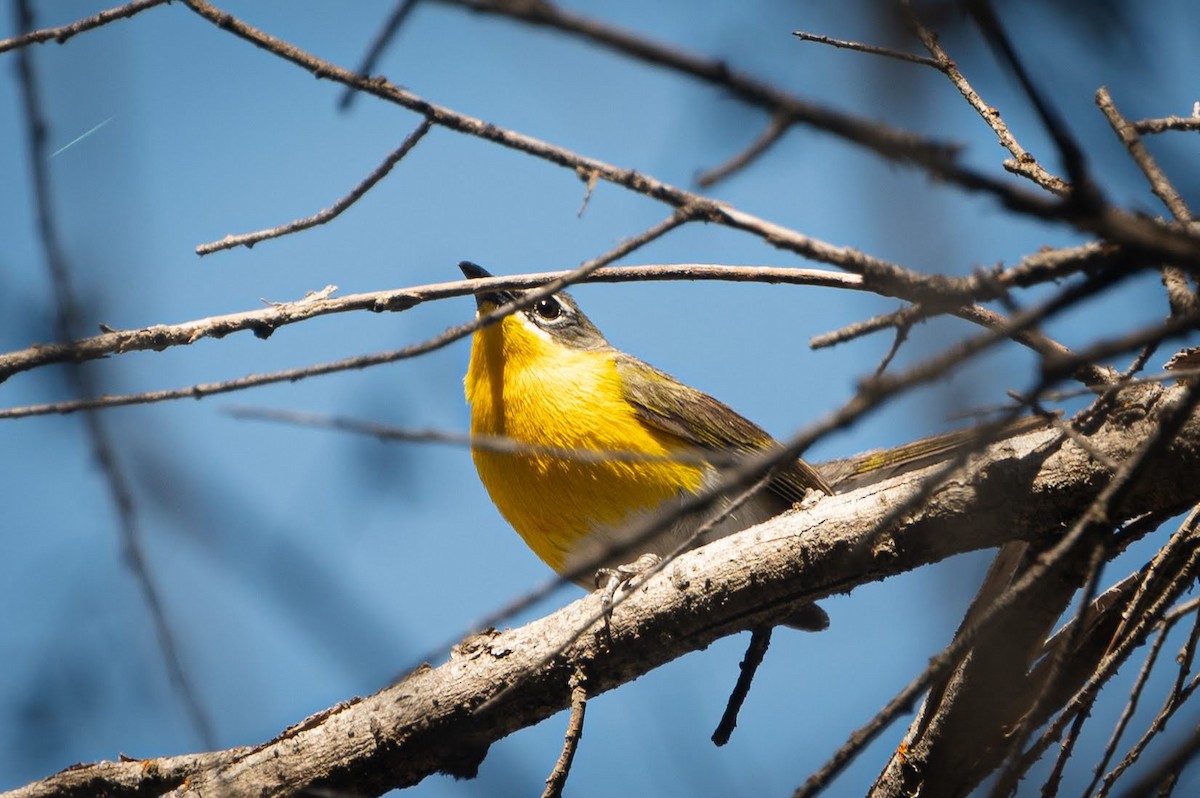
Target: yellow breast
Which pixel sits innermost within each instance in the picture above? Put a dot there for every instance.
(525, 386)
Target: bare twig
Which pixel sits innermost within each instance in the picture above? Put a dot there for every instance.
(772, 133)
(897, 341)
(1084, 196)
(1094, 517)
(488, 443)
(1066, 428)
(1156, 573)
(265, 321)
(881, 139)
(562, 768)
(64, 32)
(1010, 771)
(332, 212)
(760, 639)
(364, 361)
(1177, 696)
(1073, 362)
(1152, 126)
(903, 317)
(702, 207)
(1139, 362)
(1171, 240)
(383, 38)
(1179, 294)
(1028, 165)
(67, 317)
(1049, 265)
(886, 52)
(1175, 699)
(1143, 619)
(1159, 183)
(1051, 786)
(1167, 771)
(1131, 705)
(1074, 393)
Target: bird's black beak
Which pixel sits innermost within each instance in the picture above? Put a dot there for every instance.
(494, 298)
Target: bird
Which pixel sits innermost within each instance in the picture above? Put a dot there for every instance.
(545, 378)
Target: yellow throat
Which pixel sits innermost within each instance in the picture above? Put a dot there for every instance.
(525, 384)
(545, 376)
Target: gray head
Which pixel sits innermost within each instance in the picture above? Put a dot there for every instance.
(556, 316)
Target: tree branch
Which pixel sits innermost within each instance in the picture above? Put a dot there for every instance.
(64, 32)
(427, 722)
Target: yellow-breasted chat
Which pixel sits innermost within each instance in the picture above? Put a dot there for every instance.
(546, 377)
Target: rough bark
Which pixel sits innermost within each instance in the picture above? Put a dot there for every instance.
(1024, 488)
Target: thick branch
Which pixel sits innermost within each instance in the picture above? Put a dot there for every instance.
(427, 722)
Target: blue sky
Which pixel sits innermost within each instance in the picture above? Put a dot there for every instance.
(300, 567)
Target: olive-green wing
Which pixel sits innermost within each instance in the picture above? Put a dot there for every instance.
(665, 403)
(850, 473)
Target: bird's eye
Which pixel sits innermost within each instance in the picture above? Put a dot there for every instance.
(549, 308)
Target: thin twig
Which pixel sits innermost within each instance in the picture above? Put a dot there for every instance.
(383, 38)
(772, 133)
(64, 32)
(1074, 393)
(703, 207)
(1170, 240)
(1131, 705)
(905, 316)
(1111, 600)
(1154, 572)
(1075, 361)
(1050, 787)
(1066, 428)
(1029, 167)
(488, 443)
(886, 141)
(760, 639)
(637, 536)
(1142, 622)
(887, 52)
(940, 664)
(1159, 183)
(1168, 769)
(328, 214)
(1139, 362)
(265, 321)
(1084, 196)
(1036, 268)
(897, 341)
(1151, 126)
(562, 768)
(1179, 294)
(1176, 698)
(363, 361)
(1010, 771)
(67, 316)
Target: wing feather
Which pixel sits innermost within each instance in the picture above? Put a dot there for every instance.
(708, 424)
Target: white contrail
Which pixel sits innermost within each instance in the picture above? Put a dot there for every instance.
(78, 139)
